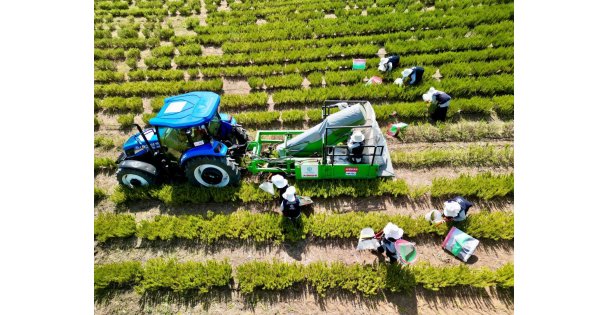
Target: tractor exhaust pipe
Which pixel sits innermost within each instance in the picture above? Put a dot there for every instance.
(141, 132)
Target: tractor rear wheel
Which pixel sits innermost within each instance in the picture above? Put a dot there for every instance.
(133, 178)
(212, 172)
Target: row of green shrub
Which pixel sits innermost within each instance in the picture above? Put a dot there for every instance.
(455, 87)
(474, 155)
(502, 105)
(160, 274)
(156, 88)
(462, 131)
(483, 185)
(276, 82)
(104, 163)
(117, 104)
(378, 39)
(265, 227)
(356, 25)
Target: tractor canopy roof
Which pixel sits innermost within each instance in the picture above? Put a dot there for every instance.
(187, 110)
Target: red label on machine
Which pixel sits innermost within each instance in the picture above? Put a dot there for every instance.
(351, 171)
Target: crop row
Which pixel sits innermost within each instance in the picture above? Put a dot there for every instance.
(265, 227)
(272, 57)
(474, 155)
(502, 105)
(483, 185)
(139, 43)
(356, 25)
(456, 87)
(128, 89)
(160, 274)
(378, 39)
(332, 65)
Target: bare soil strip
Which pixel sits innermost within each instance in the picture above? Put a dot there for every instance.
(491, 254)
(304, 301)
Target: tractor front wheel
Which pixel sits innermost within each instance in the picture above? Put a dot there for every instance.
(133, 178)
(212, 172)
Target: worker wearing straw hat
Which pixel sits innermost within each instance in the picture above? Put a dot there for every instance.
(389, 63)
(281, 183)
(410, 76)
(456, 209)
(290, 206)
(439, 102)
(388, 236)
(355, 147)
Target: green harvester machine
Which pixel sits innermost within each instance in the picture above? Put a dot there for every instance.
(321, 151)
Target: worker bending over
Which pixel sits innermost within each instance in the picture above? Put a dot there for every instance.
(389, 63)
(388, 236)
(281, 183)
(355, 147)
(456, 209)
(290, 206)
(411, 76)
(439, 102)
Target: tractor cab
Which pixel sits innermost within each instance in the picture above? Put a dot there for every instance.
(189, 137)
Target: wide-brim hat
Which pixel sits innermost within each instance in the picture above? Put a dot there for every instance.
(428, 96)
(392, 231)
(357, 136)
(406, 72)
(290, 194)
(451, 208)
(278, 181)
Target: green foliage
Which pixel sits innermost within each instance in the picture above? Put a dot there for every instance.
(484, 185)
(128, 33)
(290, 116)
(435, 277)
(315, 78)
(157, 103)
(110, 225)
(191, 22)
(132, 63)
(158, 62)
(133, 53)
(117, 275)
(112, 54)
(257, 118)
(166, 33)
(474, 155)
(256, 83)
(159, 274)
(104, 65)
(126, 120)
(104, 163)
(285, 81)
(268, 276)
(265, 227)
(109, 76)
(258, 99)
(96, 122)
(105, 143)
(117, 104)
(163, 51)
(466, 131)
(156, 88)
(99, 194)
(156, 75)
(191, 49)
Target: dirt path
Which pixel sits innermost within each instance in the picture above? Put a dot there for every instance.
(491, 254)
(303, 301)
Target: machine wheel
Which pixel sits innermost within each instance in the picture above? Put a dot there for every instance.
(133, 178)
(212, 172)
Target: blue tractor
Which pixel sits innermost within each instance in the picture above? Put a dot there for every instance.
(189, 139)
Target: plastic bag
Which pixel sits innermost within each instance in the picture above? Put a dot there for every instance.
(267, 187)
(374, 81)
(358, 64)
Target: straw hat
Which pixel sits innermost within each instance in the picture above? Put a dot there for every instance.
(428, 96)
(290, 194)
(357, 136)
(406, 72)
(391, 230)
(278, 181)
(451, 208)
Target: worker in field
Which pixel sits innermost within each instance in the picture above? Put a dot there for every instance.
(387, 237)
(290, 206)
(355, 147)
(410, 76)
(389, 63)
(439, 103)
(456, 209)
(281, 184)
